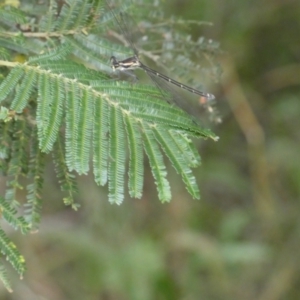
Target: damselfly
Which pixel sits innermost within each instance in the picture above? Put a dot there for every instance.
(134, 62)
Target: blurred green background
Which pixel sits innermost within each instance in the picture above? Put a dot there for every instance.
(241, 240)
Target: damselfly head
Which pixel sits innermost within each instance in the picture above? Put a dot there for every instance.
(114, 63)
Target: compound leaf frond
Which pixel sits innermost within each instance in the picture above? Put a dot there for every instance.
(9, 249)
(10, 82)
(85, 125)
(116, 166)
(136, 158)
(100, 142)
(24, 91)
(158, 167)
(178, 160)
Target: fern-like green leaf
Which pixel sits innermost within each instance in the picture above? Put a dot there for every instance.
(4, 53)
(82, 14)
(154, 109)
(44, 99)
(33, 207)
(54, 111)
(117, 152)
(100, 141)
(136, 160)
(66, 179)
(18, 163)
(9, 249)
(16, 44)
(57, 54)
(5, 142)
(24, 91)
(85, 125)
(177, 159)
(4, 278)
(73, 70)
(187, 148)
(111, 13)
(93, 46)
(11, 15)
(72, 113)
(157, 165)
(10, 82)
(9, 214)
(68, 15)
(80, 47)
(47, 22)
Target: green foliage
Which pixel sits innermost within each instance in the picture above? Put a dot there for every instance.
(65, 178)
(4, 278)
(53, 101)
(8, 248)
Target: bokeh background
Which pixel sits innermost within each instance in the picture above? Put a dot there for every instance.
(242, 239)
